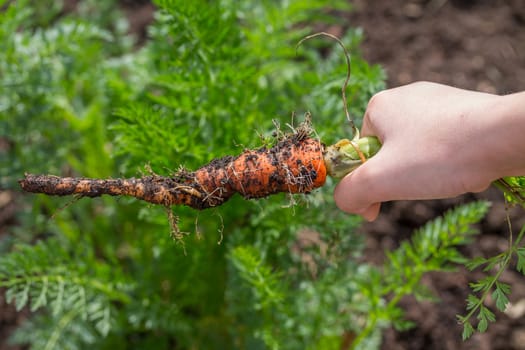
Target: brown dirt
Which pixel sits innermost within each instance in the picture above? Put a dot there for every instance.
(478, 45)
(471, 44)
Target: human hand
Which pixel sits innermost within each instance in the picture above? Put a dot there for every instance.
(438, 142)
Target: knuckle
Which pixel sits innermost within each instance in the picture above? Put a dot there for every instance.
(377, 100)
(373, 110)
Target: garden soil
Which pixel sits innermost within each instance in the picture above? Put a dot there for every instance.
(470, 44)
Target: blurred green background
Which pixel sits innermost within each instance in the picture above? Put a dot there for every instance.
(82, 95)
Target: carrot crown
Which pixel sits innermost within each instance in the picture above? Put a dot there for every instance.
(344, 156)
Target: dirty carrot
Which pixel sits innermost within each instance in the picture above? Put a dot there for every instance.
(297, 163)
(294, 164)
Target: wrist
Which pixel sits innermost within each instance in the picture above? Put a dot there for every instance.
(505, 136)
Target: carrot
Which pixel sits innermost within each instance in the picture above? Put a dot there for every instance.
(298, 163)
(294, 165)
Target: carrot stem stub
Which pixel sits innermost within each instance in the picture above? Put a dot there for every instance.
(298, 163)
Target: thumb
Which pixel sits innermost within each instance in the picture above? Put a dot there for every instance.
(358, 192)
(371, 213)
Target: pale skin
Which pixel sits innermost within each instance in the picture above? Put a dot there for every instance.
(438, 142)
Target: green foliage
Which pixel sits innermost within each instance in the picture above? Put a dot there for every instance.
(54, 100)
(48, 275)
(368, 297)
(432, 248)
(211, 77)
(317, 285)
(78, 99)
(514, 189)
(491, 285)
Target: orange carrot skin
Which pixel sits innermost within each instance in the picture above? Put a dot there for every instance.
(294, 165)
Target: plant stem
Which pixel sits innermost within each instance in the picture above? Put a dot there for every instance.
(506, 257)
